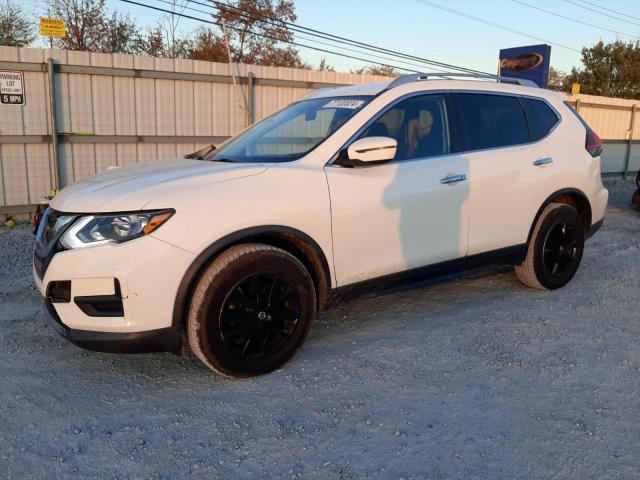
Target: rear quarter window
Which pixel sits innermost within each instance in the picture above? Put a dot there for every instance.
(578, 116)
(491, 121)
(540, 118)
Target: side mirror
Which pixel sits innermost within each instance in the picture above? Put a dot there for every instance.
(372, 150)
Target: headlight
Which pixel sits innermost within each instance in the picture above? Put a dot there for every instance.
(91, 230)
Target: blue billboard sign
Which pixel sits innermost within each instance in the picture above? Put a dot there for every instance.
(529, 63)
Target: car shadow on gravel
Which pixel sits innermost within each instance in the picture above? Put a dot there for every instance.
(334, 330)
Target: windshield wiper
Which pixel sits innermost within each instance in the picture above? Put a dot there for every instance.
(223, 160)
(202, 154)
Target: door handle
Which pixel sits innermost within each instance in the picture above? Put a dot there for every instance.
(451, 179)
(543, 161)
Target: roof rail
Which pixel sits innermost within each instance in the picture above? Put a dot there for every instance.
(417, 77)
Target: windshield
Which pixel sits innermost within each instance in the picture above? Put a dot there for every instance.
(292, 132)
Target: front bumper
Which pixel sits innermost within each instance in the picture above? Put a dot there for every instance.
(160, 340)
(140, 277)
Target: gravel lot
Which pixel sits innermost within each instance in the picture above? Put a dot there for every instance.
(476, 378)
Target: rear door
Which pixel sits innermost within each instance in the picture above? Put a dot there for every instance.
(511, 165)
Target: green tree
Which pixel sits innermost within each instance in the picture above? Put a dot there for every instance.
(15, 29)
(609, 69)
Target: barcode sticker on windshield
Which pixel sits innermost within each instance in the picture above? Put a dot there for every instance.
(344, 103)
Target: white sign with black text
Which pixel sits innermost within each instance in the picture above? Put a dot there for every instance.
(11, 88)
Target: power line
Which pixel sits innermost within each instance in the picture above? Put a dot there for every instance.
(305, 38)
(182, 15)
(601, 13)
(609, 10)
(311, 39)
(599, 27)
(493, 24)
(330, 37)
(336, 38)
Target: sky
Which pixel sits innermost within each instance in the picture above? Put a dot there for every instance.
(417, 28)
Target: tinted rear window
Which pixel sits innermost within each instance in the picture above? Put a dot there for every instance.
(491, 121)
(540, 118)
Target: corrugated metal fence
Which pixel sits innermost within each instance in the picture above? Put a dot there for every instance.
(114, 109)
(614, 119)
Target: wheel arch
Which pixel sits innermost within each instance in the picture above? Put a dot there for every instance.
(295, 242)
(569, 196)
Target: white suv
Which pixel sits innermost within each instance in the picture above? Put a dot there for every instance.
(349, 190)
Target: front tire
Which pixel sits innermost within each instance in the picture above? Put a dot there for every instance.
(251, 311)
(555, 248)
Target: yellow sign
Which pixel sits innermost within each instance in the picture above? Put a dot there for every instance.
(575, 89)
(52, 27)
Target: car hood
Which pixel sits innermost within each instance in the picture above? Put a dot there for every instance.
(132, 187)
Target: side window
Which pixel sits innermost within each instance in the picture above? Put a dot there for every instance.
(540, 118)
(491, 121)
(418, 124)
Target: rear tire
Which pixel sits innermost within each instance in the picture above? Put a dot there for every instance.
(251, 311)
(555, 248)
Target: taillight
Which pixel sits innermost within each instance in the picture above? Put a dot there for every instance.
(593, 143)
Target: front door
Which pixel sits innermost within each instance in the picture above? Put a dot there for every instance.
(407, 213)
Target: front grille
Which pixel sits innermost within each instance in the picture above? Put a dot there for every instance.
(55, 223)
(40, 265)
(52, 226)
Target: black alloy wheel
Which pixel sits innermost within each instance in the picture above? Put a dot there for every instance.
(555, 248)
(259, 315)
(251, 311)
(560, 250)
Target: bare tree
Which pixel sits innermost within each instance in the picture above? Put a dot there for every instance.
(151, 44)
(175, 45)
(208, 46)
(85, 22)
(557, 79)
(15, 29)
(324, 66)
(257, 30)
(90, 28)
(120, 35)
(382, 70)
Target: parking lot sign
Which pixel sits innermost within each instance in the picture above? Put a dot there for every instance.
(12, 88)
